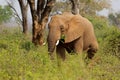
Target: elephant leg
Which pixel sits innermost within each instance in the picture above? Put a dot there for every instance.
(68, 49)
(90, 53)
(92, 50)
(60, 50)
(79, 45)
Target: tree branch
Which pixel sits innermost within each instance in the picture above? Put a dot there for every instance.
(47, 10)
(27, 5)
(32, 8)
(40, 6)
(15, 12)
(75, 6)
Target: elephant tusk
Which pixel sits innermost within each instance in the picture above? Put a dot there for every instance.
(44, 43)
(57, 42)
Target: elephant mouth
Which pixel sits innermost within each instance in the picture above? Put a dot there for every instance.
(56, 43)
(60, 41)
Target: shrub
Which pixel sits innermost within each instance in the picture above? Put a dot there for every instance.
(27, 45)
(112, 42)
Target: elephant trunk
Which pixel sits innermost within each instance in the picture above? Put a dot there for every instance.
(53, 36)
(51, 45)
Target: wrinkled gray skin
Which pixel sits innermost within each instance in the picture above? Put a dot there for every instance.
(78, 35)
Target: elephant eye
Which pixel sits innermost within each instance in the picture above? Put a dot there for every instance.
(62, 28)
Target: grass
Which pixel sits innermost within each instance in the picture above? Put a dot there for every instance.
(21, 60)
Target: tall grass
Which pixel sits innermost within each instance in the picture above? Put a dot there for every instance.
(21, 60)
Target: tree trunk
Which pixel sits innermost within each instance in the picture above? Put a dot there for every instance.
(75, 6)
(24, 9)
(36, 27)
(37, 32)
(40, 18)
(25, 23)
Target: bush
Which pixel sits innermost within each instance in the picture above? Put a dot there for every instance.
(27, 45)
(112, 45)
(99, 23)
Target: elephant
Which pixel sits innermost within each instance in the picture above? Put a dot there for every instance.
(71, 33)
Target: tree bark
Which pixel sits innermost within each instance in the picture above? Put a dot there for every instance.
(75, 6)
(25, 23)
(40, 18)
(24, 9)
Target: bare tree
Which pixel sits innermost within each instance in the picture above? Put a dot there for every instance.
(24, 9)
(15, 12)
(39, 18)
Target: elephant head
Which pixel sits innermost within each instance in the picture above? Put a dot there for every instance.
(54, 33)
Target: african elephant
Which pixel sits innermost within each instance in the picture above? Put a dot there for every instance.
(72, 33)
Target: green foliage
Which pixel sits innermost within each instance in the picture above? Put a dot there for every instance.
(114, 19)
(5, 13)
(99, 23)
(21, 60)
(113, 42)
(89, 7)
(27, 45)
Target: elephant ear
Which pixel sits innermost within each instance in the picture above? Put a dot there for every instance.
(74, 30)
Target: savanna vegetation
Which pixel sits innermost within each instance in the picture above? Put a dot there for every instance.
(20, 59)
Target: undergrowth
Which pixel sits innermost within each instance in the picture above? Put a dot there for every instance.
(21, 60)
